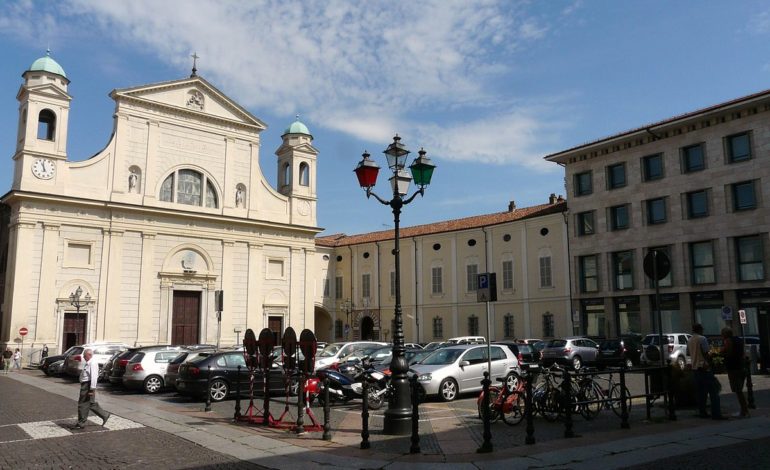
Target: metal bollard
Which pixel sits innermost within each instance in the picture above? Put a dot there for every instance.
(415, 448)
(528, 403)
(327, 412)
(623, 408)
(237, 395)
(300, 428)
(208, 392)
(266, 388)
(365, 417)
(566, 391)
(486, 445)
(749, 385)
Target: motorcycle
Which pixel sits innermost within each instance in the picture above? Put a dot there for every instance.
(344, 388)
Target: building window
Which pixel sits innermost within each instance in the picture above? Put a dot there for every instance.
(702, 259)
(743, 196)
(585, 223)
(338, 328)
(750, 257)
(436, 280)
(652, 167)
(589, 273)
(508, 275)
(549, 330)
(366, 288)
(623, 269)
(738, 147)
(692, 158)
(656, 211)
(583, 184)
(473, 325)
(619, 217)
(186, 186)
(326, 287)
(616, 176)
(304, 174)
(697, 204)
(392, 283)
(472, 270)
(338, 287)
(438, 328)
(666, 281)
(545, 272)
(286, 174)
(46, 125)
(508, 326)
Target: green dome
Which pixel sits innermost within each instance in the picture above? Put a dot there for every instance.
(47, 64)
(297, 127)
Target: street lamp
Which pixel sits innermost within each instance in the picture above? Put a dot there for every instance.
(347, 307)
(398, 415)
(77, 303)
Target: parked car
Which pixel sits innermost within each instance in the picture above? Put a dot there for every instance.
(55, 368)
(118, 367)
(529, 340)
(172, 371)
(146, 369)
(412, 346)
(102, 352)
(675, 346)
(572, 351)
(467, 340)
(457, 369)
(626, 351)
(525, 353)
(434, 345)
(334, 352)
(46, 364)
(193, 377)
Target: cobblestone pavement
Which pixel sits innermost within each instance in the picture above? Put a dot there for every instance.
(36, 432)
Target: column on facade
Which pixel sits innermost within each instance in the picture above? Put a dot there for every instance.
(296, 308)
(525, 282)
(226, 325)
(45, 321)
(254, 319)
(308, 319)
(418, 288)
(150, 164)
(107, 326)
(456, 288)
(16, 309)
(147, 329)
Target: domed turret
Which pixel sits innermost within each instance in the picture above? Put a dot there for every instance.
(47, 64)
(297, 127)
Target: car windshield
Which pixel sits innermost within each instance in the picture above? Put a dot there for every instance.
(556, 343)
(330, 350)
(442, 357)
(180, 358)
(610, 344)
(414, 357)
(200, 358)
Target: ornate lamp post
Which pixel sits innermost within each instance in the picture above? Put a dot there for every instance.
(399, 413)
(77, 303)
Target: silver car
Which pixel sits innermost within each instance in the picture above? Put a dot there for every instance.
(573, 351)
(147, 368)
(334, 352)
(453, 370)
(102, 352)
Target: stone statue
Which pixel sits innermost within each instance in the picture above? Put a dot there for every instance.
(133, 179)
(239, 194)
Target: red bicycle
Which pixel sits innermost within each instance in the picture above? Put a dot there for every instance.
(504, 402)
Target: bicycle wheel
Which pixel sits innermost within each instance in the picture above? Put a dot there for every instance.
(615, 400)
(551, 406)
(513, 409)
(591, 396)
(494, 413)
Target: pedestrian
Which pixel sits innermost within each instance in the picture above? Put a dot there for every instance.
(732, 351)
(17, 360)
(7, 355)
(705, 382)
(89, 378)
(44, 353)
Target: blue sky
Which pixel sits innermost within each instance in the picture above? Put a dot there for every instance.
(486, 87)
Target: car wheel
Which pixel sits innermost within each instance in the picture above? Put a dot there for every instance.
(447, 391)
(153, 384)
(512, 381)
(629, 363)
(577, 363)
(219, 390)
(680, 362)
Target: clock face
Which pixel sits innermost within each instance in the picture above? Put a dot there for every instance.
(43, 169)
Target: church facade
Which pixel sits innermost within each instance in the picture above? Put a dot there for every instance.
(173, 209)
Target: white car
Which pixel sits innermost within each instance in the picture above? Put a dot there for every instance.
(452, 370)
(102, 352)
(335, 351)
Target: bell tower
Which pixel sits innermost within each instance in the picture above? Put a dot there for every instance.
(44, 105)
(297, 160)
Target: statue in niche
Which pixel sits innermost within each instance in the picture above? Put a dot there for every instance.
(239, 196)
(133, 182)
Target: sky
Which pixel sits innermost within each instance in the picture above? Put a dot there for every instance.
(486, 87)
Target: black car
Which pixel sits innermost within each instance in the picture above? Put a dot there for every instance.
(60, 357)
(194, 376)
(620, 351)
(525, 353)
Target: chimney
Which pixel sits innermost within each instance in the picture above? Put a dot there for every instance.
(560, 198)
(511, 206)
(552, 199)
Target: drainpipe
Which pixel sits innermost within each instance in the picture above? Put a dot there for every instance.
(379, 284)
(417, 292)
(350, 252)
(487, 269)
(565, 215)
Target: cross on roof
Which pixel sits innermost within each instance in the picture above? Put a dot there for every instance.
(195, 62)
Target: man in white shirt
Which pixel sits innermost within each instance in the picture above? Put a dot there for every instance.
(89, 377)
(705, 382)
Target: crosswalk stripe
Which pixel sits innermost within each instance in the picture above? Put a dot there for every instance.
(44, 430)
(62, 427)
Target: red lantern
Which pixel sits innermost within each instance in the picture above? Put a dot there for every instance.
(367, 171)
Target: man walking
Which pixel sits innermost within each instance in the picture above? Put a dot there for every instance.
(17, 360)
(705, 382)
(7, 354)
(87, 400)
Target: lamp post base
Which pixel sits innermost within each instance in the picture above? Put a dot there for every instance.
(398, 422)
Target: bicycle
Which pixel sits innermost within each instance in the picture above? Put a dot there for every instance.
(546, 396)
(503, 402)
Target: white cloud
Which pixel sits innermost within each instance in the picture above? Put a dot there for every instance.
(760, 23)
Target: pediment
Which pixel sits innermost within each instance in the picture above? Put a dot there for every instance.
(44, 90)
(297, 148)
(192, 95)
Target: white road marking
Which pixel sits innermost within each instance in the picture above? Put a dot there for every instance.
(116, 423)
(63, 427)
(44, 430)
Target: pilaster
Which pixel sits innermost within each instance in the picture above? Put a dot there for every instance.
(45, 320)
(254, 319)
(147, 330)
(226, 332)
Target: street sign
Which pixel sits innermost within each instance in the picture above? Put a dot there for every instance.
(656, 262)
(727, 313)
(742, 316)
(23, 331)
(486, 289)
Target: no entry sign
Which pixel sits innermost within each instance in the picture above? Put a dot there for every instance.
(23, 331)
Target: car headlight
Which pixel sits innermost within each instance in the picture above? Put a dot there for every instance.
(424, 378)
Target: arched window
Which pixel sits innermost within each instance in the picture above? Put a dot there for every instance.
(286, 174)
(186, 187)
(46, 125)
(304, 174)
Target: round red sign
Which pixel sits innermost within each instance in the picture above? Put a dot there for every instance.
(23, 331)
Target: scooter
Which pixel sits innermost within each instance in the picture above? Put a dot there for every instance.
(343, 388)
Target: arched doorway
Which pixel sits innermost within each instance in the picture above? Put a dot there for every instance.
(323, 325)
(367, 329)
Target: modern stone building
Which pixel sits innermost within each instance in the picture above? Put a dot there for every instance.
(525, 247)
(697, 187)
(173, 208)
